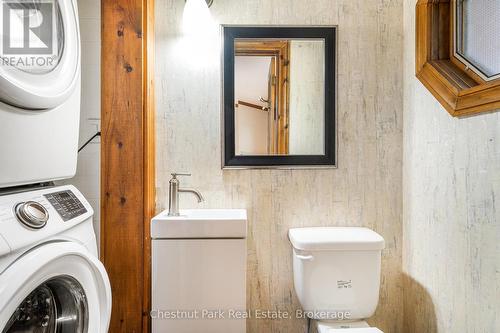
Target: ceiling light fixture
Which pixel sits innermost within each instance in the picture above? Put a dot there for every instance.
(209, 2)
(197, 19)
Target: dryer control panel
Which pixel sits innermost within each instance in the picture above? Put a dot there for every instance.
(66, 204)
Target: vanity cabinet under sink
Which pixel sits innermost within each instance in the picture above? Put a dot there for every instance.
(199, 271)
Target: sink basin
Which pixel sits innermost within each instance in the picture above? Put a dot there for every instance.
(200, 223)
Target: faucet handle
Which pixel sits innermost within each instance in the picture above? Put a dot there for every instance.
(175, 174)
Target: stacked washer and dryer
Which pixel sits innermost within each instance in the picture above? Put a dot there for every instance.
(50, 278)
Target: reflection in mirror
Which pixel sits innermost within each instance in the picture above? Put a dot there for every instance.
(478, 33)
(279, 95)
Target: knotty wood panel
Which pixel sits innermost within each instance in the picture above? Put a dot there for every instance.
(127, 161)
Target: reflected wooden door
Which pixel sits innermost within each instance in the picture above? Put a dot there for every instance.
(272, 135)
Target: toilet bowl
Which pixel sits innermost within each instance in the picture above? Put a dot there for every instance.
(337, 276)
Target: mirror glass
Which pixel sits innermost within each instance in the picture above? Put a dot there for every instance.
(279, 95)
(478, 33)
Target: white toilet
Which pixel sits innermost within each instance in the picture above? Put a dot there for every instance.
(337, 276)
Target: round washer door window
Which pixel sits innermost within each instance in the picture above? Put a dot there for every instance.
(57, 287)
(58, 305)
(40, 52)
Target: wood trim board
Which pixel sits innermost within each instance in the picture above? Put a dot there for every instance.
(127, 158)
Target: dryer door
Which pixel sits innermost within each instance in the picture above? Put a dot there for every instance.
(40, 52)
(57, 287)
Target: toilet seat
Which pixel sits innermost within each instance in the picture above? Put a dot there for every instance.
(352, 327)
(353, 330)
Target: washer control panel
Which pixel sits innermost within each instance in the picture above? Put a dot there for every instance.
(66, 204)
(35, 216)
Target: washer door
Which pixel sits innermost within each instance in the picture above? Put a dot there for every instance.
(39, 68)
(58, 305)
(55, 288)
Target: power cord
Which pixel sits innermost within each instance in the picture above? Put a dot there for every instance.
(89, 141)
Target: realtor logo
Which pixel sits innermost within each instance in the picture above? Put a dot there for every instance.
(29, 34)
(28, 27)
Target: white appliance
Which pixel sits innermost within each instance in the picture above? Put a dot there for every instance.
(39, 105)
(50, 277)
(199, 271)
(337, 276)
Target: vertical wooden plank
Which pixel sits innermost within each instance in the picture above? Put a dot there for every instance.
(284, 107)
(127, 161)
(149, 153)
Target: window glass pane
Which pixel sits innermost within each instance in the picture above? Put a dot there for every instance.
(478, 35)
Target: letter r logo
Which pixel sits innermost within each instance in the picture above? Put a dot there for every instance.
(28, 27)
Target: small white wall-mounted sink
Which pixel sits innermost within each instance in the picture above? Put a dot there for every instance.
(199, 261)
(200, 223)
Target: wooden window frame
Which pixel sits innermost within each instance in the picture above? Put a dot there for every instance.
(458, 88)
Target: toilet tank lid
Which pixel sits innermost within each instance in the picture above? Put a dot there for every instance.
(335, 239)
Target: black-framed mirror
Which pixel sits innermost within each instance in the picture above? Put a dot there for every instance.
(279, 97)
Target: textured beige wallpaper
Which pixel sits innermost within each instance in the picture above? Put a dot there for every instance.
(451, 212)
(365, 190)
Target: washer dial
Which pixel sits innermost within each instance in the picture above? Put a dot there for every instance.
(32, 214)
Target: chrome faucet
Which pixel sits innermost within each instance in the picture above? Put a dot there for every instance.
(173, 194)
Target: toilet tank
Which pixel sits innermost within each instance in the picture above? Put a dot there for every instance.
(337, 271)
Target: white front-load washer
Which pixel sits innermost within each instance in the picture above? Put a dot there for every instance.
(50, 278)
(40, 74)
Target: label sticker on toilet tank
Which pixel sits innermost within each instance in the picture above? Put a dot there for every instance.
(344, 284)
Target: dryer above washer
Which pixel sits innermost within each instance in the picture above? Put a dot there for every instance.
(39, 68)
(40, 82)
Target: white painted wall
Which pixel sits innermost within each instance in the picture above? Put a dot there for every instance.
(87, 178)
(251, 74)
(451, 182)
(365, 190)
(307, 98)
